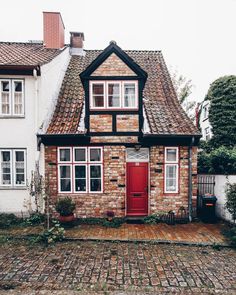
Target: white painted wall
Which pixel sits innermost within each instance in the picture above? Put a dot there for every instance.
(220, 186)
(40, 97)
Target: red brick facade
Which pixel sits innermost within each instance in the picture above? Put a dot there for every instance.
(114, 193)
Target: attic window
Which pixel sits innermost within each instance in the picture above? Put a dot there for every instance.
(113, 95)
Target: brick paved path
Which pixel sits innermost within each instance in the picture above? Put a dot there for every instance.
(198, 233)
(105, 266)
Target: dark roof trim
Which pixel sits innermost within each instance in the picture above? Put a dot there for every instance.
(113, 48)
(57, 139)
(19, 70)
(171, 139)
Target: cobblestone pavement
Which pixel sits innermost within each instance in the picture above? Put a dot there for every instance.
(116, 268)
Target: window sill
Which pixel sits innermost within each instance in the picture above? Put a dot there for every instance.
(12, 117)
(7, 188)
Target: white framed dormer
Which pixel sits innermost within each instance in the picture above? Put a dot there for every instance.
(80, 170)
(113, 95)
(171, 170)
(12, 98)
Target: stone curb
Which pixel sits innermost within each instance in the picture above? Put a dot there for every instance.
(144, 241)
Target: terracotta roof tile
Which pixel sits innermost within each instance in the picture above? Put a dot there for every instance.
(163, 111)
(25, 54)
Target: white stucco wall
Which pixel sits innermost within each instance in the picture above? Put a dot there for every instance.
(21, 132)
(220, 186)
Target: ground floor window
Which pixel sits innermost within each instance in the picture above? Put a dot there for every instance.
(171, 169)
(12, 167)
(80, 169)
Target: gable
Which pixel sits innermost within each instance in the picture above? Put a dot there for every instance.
(113, 66)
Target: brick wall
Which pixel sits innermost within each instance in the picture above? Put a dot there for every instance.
(114, 195)
(127, 123)
(101, 123)
(113, 66)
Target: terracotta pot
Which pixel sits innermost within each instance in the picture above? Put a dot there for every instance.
(68, 218)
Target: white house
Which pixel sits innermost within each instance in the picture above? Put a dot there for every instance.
(203, 117)
(30, 78)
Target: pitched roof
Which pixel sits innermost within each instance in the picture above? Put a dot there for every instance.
(163, 112)
(25, 54)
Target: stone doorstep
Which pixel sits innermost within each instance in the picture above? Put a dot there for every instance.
(143, 241)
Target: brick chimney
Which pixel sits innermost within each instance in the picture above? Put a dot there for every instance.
(76, 43)
(53, 30)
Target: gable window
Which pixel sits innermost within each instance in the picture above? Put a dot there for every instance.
(171, 169)
(11, 98)
(12, 167)
(205, 112)
(113, 95)
(80, 169)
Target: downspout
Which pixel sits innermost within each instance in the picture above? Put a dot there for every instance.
(190, 185)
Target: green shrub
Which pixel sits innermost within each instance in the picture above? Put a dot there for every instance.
(152, 219)
(52, 235)
(231, 199)
(7, 220)
(115, 222)
(217, 161)
(35, 218)
(65, 206)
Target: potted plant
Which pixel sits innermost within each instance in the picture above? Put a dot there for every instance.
(110, 215)
(65, 207)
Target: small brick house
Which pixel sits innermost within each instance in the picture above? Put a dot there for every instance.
(118, 138)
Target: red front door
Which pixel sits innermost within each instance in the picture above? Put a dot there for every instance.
(137, 189)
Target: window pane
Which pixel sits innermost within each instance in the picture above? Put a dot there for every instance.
(80, 185)
(19, 156)
(20, 179)
(114, 95)
(95, 171)
(171, 178)
(129, 95)
(171, 155)
(65, 171)
(6, 168)
(5, 86)
(95, 155)
(98, 89)
(65, 185)
(80, 155)
(95, 185)
(98, 101)
(98, 95)
(18, 86)
(65, 155)
(80, 171)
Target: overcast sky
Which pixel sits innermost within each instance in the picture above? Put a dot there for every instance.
(197, 37)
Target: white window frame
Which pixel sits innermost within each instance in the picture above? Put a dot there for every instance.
(168, 164)
(58, 155)
(12, 98)
(107, 94)
(72, 163)
(65, 164)
(122, 96)
(136, 94)
(137, 159)
(13, 168)
(91, 94)
(89, 178)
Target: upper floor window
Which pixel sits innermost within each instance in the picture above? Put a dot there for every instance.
(12, 167)
(114, 95)
(205, 111)
(11, 97)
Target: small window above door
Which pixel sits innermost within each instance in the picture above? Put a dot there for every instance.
(137, 155)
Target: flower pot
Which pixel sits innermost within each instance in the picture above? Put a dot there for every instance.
(64, 219)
